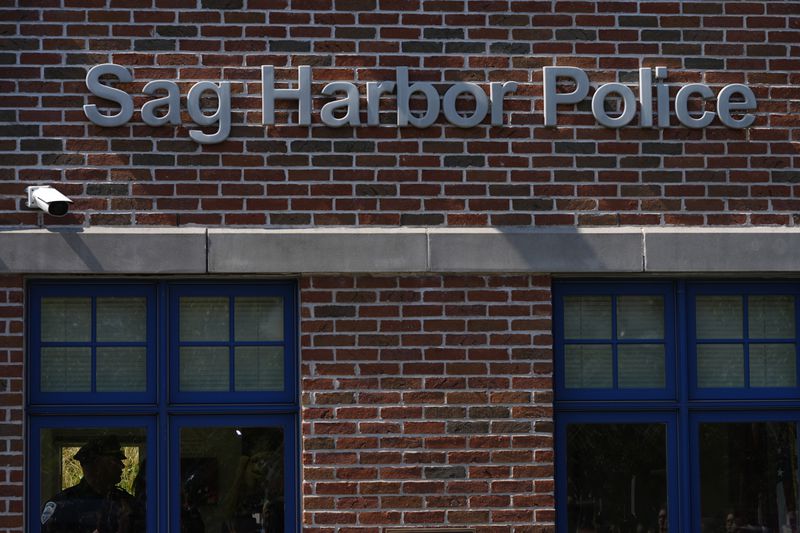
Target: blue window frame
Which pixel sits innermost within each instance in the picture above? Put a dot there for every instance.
(285, 425)
(751, 332)
(618, 381)
(82, 304)
(759, 457)
(195, 382)
(720, 392)
(602, 468)
(238, 336)
(61, 430)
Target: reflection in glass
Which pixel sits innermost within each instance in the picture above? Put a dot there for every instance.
(588, 366)
(66, 369)
(121, 320)
(587, 317)
(720, 365)
(748, 476)
(258, 368)
(719, 317)
(232, 479)
(770, 317)
(66, 319)
(773, 365)
(204, 318)
(258, 318)
(616, 477)
(122, 369)
(204, 368)
(92, 479)
(641, 366)
(640, 317)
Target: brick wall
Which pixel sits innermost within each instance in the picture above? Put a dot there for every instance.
(427, 401)
(11, 404)
(520, 174)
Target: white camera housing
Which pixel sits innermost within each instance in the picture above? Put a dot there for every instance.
(48, 200)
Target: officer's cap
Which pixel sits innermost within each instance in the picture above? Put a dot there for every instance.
(100, 446)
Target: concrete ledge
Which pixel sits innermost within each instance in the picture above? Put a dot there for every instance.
(104, 251)
(400, 250)
(535, 250)
(317, 250)
(689, 250)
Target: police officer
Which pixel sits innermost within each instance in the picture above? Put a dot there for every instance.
(96, 504)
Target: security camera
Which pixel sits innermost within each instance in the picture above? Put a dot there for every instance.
(48, 200)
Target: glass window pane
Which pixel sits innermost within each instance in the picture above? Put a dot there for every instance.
(204, 368)
(770, 317)
(258, 319)
(773, 365)
(66, 369)
(232, 479)
(114, 461)
(121, 319)
(204, 318)
(587, 317)
(640, 317)
(641, 366)
(258, 368)
(588, 366)
(719, 317)
(616, 477)
(66, 319)
(720, 365)
(748, 476)
(122, 369)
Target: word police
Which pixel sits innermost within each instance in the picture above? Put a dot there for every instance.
(345, 110)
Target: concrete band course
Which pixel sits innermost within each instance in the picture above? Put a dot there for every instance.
(598, 251)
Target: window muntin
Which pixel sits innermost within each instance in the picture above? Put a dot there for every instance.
(103, 334)
(97, 323)
(231, 345)
(92, 343)
(613, 341)
(732, 402)
(742, 340)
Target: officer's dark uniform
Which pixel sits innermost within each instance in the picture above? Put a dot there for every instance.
(80, 509)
